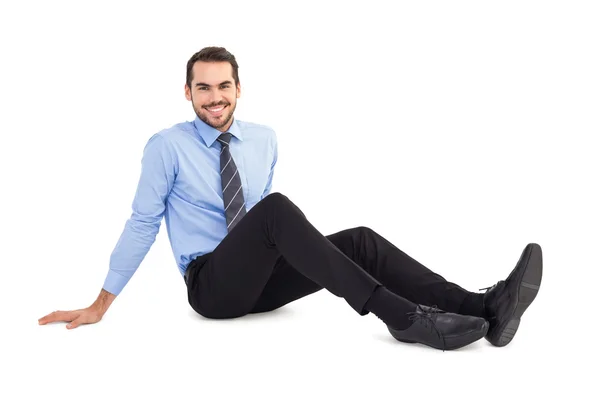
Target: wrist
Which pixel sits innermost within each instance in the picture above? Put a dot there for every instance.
(103, 301)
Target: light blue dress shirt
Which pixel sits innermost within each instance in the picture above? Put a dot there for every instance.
(180, 180)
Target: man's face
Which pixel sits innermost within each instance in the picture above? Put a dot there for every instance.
(213, 93)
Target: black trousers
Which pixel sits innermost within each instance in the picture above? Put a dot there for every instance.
(274, 256)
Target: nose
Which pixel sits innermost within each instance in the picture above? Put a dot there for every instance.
(215, 97)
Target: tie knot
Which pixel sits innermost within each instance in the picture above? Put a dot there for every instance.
(225, 137)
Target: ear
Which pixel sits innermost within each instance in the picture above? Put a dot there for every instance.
(239, 91)
(188, 94)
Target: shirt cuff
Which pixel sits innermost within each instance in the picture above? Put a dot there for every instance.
(114, 282)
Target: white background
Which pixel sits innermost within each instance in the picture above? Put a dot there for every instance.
(460, 131)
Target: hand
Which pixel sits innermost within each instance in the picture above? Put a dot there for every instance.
(89, 315)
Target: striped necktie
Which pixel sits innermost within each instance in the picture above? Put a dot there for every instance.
(233, 195)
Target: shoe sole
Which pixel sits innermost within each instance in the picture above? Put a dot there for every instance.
(527, 290)
(452, 342)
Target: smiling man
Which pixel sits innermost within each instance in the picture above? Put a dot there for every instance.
(241, 249)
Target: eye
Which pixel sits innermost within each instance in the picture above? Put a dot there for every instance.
(225, 87)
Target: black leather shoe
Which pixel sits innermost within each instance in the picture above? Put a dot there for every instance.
(506, 301)
(441, 330)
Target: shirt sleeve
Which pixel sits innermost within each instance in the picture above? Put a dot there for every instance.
(158, 174)
(270, 180)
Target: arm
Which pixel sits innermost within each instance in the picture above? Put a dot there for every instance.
(159, 170)
(158, 174)
(270, 180)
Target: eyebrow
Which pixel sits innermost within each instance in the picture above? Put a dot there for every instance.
(220, 84)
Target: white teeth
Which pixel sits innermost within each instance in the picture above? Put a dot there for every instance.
(216, 109)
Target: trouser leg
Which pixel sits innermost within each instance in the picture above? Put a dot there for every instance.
(229, 281)
(404, 275)
(396, 270)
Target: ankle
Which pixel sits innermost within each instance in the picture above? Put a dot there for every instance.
(390, 308)
(474, 305)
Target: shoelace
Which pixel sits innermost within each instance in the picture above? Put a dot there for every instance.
(487, 289)
(425, 317)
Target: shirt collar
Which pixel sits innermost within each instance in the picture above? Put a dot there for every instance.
(210, 134)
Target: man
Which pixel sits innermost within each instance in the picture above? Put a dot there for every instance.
(242, 249)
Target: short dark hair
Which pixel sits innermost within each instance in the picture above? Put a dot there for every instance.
(211, 54)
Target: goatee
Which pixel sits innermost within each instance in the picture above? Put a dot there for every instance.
(207, 121)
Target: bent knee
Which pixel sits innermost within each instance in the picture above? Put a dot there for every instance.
(275, 197)
(365, 230)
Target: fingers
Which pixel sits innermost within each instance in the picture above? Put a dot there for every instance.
(78, 321)
(64, 316)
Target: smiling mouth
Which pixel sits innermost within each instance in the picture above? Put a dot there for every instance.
(215, 111)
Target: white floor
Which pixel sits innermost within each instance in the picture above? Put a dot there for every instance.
(151, 343)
